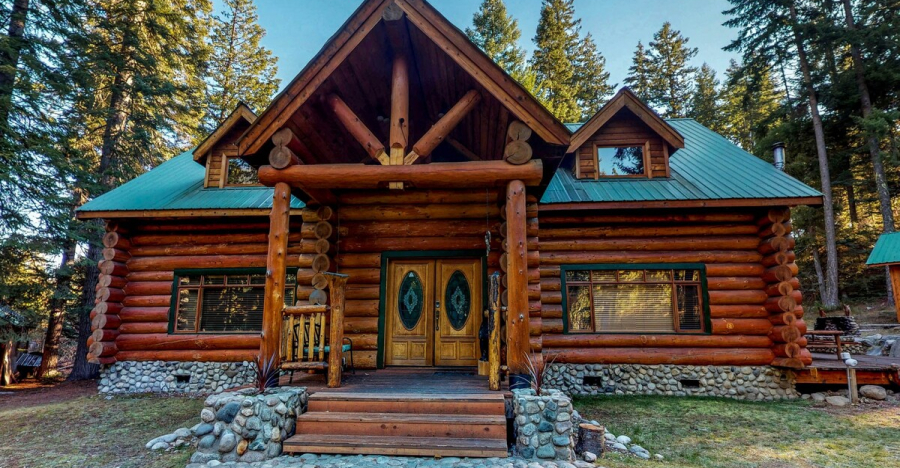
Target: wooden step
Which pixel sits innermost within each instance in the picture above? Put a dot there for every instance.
(405, 446)
(403, 425)
(339, 402)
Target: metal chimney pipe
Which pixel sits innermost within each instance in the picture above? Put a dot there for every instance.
(778, 153)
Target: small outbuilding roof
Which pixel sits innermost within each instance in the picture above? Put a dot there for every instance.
(886, 251)
(175, 187)
(709, 168)
(9, 317)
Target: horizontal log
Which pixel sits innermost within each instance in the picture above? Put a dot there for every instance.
(314, 215)
(146, 301)
(211, 261)
(362, 275)
(779, 304)
(788, 333)
(549, 326)
(361, 308)
(418, 212)
(778, 258)
(668, 218)
(115, 254)
(471, 174)
(116, 240)
(734, 269)
(787, 350)
(418, 228)
(661, 341)
(776, 244)
(143, 327)
(110, 267)
(359, 260)
(720, 283)
(741, 326)
(158, 341)
(776, 229)
(111, 308)
(383, 244)
(360, 325)
(774, 215)
(207, 355)
(101, 334)
(783, 288)
(110, 295)
(780, 273)
(145, 314)
(738, 297)
(738, 311)
(103, 349)
(787, 318)
(138, 276)
(108, 281)
(551, 232)
(705, 243)
(418, 197)
(224, 224)
(725, 256)
(105, 322)
(363, 342)
(189, 238)
(653, 356)
(209, 249)
(148, 288)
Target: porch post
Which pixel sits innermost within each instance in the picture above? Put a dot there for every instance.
(273, 305)
(517, 344)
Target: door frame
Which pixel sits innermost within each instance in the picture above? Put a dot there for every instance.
(386, 257)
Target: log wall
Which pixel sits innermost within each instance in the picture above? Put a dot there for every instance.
(744, 296)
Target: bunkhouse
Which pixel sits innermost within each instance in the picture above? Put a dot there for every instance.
(404, 208)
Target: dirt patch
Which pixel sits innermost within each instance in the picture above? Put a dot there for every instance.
(33, 392)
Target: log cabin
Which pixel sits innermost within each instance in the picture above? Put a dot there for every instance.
(405, 202)
(886, 253)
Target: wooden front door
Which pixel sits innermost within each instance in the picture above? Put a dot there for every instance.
(433, 312)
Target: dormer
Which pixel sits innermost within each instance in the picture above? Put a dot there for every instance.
(219, 153)
(625, 139)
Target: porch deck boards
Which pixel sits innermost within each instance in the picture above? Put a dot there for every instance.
(402, 380)
(826, 368)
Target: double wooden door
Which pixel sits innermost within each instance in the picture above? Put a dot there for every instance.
(433, 312)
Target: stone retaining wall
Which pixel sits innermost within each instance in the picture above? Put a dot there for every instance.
(543, 425)
(760, 383)
(175, 376)
(245, 427)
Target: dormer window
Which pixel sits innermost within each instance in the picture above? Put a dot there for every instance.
(240, 172)
(621, 161)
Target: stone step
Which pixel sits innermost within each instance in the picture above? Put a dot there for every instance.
(403, 425)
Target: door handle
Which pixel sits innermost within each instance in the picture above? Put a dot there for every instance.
(437, 315)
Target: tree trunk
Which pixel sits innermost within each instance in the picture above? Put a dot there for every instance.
(82, 369)
(820, 276)
(57, 308)
(830, 299)
(9, 56)
(851, 204)
(881, 186)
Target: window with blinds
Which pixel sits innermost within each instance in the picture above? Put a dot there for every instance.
(223, 302)
(634, 300)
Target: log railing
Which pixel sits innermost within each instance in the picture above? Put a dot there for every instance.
(313, 334)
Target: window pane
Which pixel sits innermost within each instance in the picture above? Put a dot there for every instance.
(187, 310)
(621, 161)
(659, 275)
(240, 172)
(689, 316)
(232, 309)
(579, 304)
(603, 276)
(687, 275)
(633, 308)
(580, 275)
(238, 279)
(630, 276)
(290, 279)
(192, 280)
(260, 278)
(213, 279)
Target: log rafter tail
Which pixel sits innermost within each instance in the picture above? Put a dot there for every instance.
(783, 303)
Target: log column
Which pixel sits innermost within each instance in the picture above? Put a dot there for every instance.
(517, 278)
(110, 294)
(279, 221)
(776, 246)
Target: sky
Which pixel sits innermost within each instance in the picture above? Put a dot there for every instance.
(297, 29)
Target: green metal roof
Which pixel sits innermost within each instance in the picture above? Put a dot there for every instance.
(709, 167)
(886, 251)
(177, 184)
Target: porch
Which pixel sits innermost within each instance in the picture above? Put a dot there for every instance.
(402, 380)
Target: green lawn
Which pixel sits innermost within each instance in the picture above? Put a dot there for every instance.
(719, 433)
(82, 429)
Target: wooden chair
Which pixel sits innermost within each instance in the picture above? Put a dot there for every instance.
(310, 343)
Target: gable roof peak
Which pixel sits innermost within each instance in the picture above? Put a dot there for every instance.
(625, 98)
(241, 112)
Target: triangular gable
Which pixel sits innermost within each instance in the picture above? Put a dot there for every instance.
(242, 114)
(437, 28)
(626, 99)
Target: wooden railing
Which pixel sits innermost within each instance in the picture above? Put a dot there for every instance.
(313, 334)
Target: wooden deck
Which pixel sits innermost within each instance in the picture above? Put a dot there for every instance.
(400, 380)
(827, 369)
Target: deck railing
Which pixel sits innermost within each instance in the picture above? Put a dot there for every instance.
(313, 334)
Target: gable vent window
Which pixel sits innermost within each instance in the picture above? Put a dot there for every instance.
(240, 172)
(635, 299)
(222, 301)
(621, 161)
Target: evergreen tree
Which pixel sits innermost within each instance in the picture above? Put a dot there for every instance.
(639, 74)
(705, 105)
(591, 77)
(750, 102)
(240, 69)
(497, 33)
(670, 74)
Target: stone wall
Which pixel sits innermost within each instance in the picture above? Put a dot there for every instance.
(175, 376)
(543, 425)
(245, 427)
(759, 383)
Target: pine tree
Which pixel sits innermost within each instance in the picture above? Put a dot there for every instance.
(670, 74)
(639, 74)
(240, 69)
(497, 33)
(750, 103)
(557, 40)
(591, 77)
(705, 105)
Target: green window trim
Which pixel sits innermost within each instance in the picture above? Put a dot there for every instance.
(178, 274)
(705, 319)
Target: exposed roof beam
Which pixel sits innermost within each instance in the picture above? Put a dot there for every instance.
(357, 128)
(439, 132)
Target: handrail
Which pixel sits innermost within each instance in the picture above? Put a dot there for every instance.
(305, 309)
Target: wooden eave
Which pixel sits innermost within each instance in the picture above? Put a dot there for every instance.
(449, 39)
(242, 111)
(645, 204)
(626, 99)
